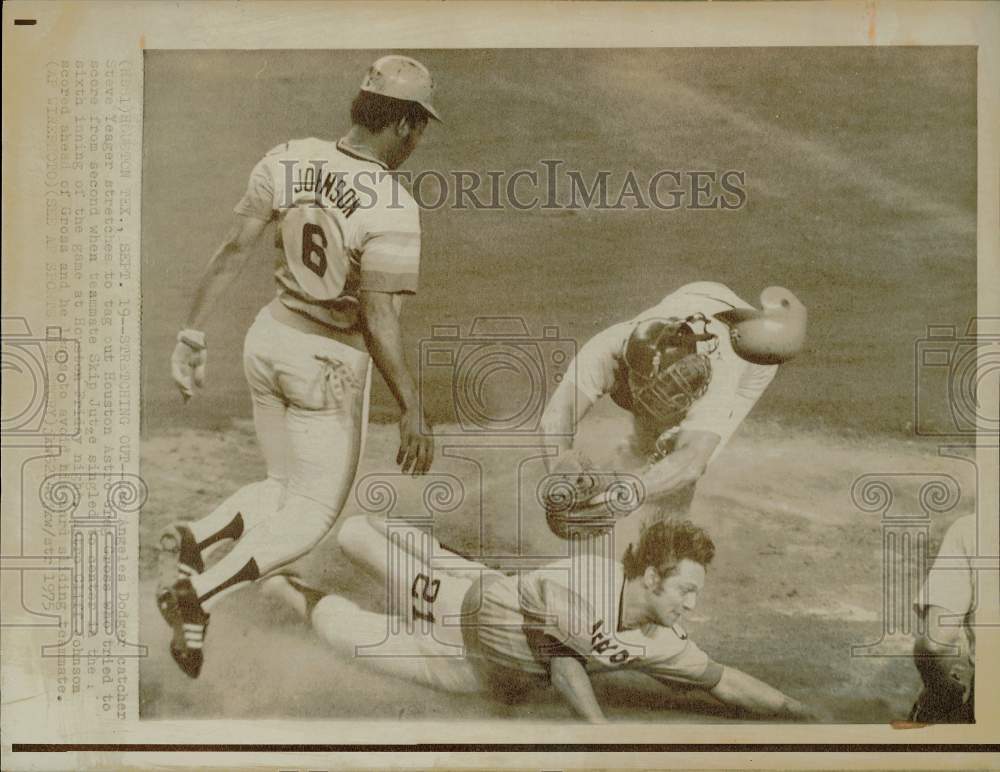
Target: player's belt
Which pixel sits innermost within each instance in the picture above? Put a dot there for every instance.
(299, 319)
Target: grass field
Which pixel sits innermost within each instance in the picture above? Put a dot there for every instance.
(861, 179)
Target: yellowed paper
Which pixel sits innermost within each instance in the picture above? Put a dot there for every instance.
(592, 159)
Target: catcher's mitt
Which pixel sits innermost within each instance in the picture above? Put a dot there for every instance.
(587, 501)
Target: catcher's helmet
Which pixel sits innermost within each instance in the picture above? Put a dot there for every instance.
(401, 77)
(666, 374)
(771, 336)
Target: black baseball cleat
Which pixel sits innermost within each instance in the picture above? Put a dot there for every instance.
(181, 609)
(179, 558)
(178, 540)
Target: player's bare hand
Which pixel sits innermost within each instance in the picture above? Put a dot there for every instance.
(187, 363)
(416, 449)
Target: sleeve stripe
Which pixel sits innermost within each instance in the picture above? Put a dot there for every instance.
(390, 257)
(390, 264)
(382, 247)
(400, 238)
(395, 268)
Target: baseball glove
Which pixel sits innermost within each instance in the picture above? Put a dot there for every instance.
(582, 500)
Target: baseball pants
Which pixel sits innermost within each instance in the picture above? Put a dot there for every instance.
(310, 406)
(420, 637)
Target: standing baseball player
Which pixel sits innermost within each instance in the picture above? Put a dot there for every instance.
(689, 370)
(459, 626)
(944, 651)
(349, 237)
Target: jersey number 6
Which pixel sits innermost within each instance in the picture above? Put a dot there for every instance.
(313, 253)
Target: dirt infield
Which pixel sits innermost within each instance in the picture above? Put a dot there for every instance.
(860, 175)
(795, 584)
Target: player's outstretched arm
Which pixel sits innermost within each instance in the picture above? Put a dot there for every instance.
(684, 465)
(739, 690)
(589, 375)
(572, 682)
(385, 344)
(564, 411)
(190, 354)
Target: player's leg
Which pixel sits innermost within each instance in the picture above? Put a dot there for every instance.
(325, 385)
(428, 591)
(258, 500)
(361, 636)
(944, 647)
(185, 547)
(942, 657)
(325, 423)
(189, 544)
(409, 563)
(367, 541)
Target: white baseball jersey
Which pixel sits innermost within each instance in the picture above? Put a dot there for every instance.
(345, 224)
(573, 608)
(735, 385)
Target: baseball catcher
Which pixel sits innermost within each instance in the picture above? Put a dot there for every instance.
(688, 370)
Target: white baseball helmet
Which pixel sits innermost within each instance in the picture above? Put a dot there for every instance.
(401, 77)
(771, 336)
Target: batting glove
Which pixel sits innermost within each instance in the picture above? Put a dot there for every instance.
(187, 365)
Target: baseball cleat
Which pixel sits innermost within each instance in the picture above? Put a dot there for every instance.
(183, 612)
(178, 558)
(178, 540)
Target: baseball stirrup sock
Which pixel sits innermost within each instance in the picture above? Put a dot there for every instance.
(231, 530)
(248, 573)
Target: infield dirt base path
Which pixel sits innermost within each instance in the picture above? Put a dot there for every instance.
(795, 583)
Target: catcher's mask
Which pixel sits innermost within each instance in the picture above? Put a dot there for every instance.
(771, 336)
(666, 372)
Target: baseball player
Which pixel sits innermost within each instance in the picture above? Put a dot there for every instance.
(349, 240)
(944, 652)
(459, 626)
(689, 370)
